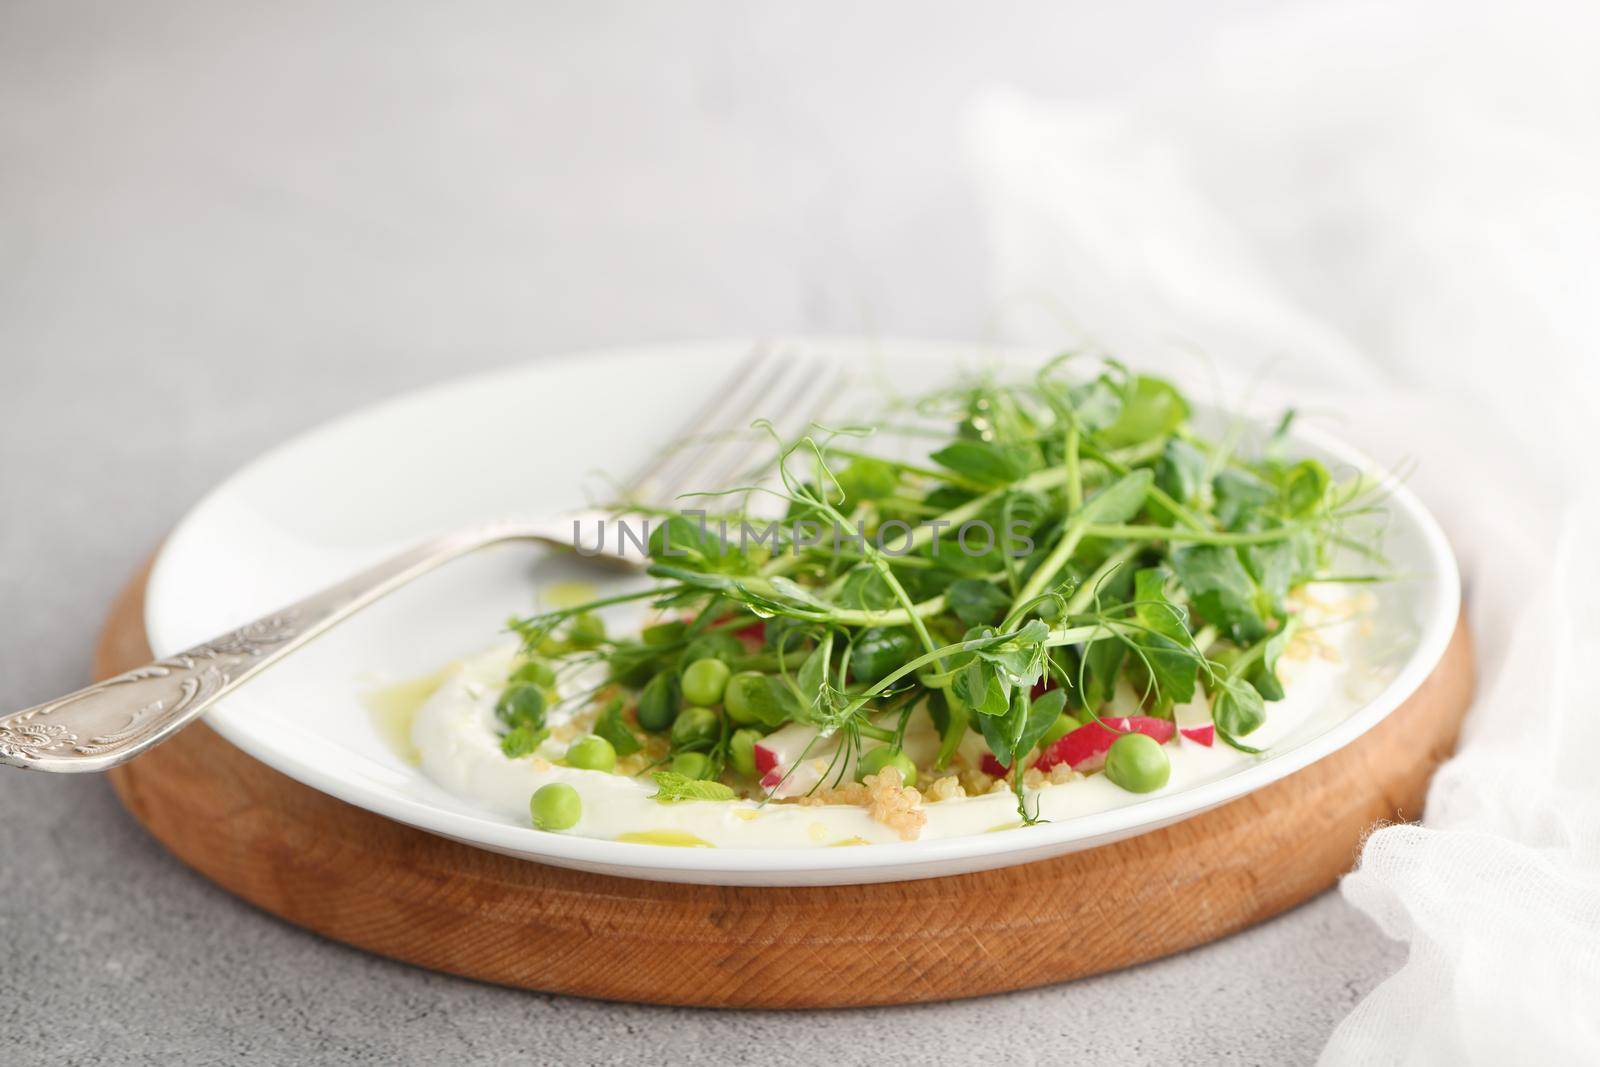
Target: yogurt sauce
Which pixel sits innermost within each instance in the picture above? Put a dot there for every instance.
(455, 732)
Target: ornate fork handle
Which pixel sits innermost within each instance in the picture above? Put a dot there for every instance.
(115, 720)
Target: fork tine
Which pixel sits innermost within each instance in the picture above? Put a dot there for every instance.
(814, 392)
(707, 465)
(646, 480)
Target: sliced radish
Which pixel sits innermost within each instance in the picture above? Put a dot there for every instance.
(1085, 748)
(792, 760)
(753, 636)
(766, 759)
(1194, 720)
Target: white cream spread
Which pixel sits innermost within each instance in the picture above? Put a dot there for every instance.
(458, 738)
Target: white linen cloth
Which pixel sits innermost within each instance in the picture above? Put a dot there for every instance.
(1393, 210)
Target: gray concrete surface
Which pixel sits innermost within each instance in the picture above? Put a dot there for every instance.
(220, 224)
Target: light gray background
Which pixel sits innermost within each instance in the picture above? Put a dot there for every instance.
(221, 224)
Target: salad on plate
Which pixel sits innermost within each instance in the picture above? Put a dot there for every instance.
(1055, 595)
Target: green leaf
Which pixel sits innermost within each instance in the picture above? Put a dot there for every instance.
(610, 726)
(1101, 664)
(1278, 566)
(1012, 736)
(1117, 502)
(985, 462)
(868, 479)
(679, 540)
(1264, 676)
(1241, 497)
(1181, 472)
(634, 663)
(672, 786)
(1304, 486)
(775, 595)
(975, 601)
(865, 590)
(1095, 404)
(1042, 714)
(1001, 732)
(522, 740)
(1235, 743)
(813, 675)
(956, 716)
(768, 697)
(1150, 408)
(664, 633)
(718, 644)
(984, 687)
(1238, 708)
(1222, 590)
(1165, 644)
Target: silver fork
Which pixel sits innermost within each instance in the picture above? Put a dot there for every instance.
(115, 720)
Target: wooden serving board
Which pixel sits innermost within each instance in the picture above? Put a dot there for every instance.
(359, 878)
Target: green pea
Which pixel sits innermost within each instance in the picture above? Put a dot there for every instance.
(1063, 726)
(884, 756)
(1138, 763)
(704, 680)
(880, 651)
(534, 672)
(658, 702)
(591, 754)
(742, 695)
(695, 726)
(586, 630)
(555, 807)
(521, 705)
(742, 751)
(692, 764)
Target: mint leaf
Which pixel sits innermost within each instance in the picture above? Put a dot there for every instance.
(672, 786)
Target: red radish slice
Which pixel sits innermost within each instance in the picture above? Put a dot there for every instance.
(753, 636)
(992, 767)
(1194, 721)
(1160, 729)
(791, 760)
(1085, 748)
(766, 759)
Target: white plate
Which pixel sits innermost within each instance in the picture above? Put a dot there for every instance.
(526, 441)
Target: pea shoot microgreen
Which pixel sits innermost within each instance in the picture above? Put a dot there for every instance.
(1124, 553)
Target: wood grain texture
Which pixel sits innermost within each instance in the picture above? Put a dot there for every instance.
(364, 880)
